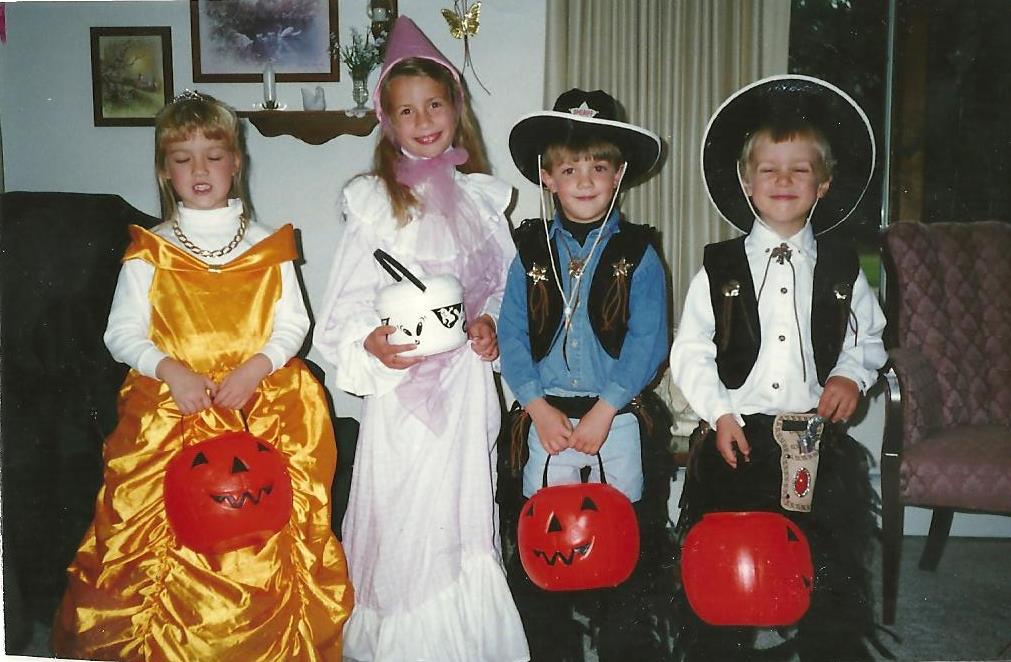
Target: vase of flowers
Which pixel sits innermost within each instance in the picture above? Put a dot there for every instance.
(360, 57)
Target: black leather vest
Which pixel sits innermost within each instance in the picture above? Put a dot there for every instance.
(726, 264)
(620, 255)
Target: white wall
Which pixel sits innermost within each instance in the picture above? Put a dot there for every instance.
(50, 143)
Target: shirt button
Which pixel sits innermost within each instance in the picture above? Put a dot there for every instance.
(775, 384)
(783, 290)
(782, 338)
(575, 382)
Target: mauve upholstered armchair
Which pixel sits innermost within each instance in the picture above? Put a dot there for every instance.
(947, 443)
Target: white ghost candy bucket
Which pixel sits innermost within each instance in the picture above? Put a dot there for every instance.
(428, 313)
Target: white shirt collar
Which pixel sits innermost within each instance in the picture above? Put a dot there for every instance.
(763, 239)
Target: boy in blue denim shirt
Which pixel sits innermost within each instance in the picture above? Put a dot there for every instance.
(583, 330)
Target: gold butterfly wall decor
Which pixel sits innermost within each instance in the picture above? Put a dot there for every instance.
(463, 21)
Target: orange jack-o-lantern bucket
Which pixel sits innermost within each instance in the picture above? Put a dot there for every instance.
(227, 492)
(575, 537)
(747, 568)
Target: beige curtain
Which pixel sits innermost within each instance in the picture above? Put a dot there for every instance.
(670, 63)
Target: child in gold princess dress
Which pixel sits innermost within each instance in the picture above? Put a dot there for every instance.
(209, 316)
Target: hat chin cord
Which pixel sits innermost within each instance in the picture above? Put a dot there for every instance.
(572, 300)
(747, 198)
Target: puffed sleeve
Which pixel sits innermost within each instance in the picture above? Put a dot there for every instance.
(127, 333)
(348, 314)
(291, 321)
(493, 196)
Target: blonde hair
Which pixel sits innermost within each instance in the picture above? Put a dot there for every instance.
(467, 134)
(188, 114)
(782, 132)
(581, 149)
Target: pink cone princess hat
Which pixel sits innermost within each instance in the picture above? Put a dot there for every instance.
(407, 41)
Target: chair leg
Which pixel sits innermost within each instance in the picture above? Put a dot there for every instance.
(940, 526)
(892, 522)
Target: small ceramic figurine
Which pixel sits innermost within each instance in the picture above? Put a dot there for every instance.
(313, 99)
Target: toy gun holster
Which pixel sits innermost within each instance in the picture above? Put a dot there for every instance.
(798, 436)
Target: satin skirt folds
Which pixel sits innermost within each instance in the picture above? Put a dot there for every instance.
(135, 594)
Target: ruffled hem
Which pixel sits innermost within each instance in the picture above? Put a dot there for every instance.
(472, 620)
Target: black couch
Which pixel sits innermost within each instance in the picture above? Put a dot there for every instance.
(60, 261)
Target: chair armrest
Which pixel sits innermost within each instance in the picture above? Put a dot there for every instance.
(912, 406)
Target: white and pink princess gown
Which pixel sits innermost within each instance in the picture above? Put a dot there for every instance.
(420, 532)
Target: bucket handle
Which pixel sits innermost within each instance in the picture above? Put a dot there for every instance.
(600, 463)
(393, 267)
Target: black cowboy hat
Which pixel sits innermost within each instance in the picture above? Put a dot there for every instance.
(578, 115)
(789, 99)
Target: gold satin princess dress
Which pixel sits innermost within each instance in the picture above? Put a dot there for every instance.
(134, 593)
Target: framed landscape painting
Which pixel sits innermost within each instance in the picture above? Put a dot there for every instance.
(233, 41)
(131, 74)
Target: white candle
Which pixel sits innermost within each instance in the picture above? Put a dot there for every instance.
(269, 88)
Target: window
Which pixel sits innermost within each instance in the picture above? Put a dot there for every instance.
(949, 146)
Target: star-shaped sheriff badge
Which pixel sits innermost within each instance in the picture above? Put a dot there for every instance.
(620, 268)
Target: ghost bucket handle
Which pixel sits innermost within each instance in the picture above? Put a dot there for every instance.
(395, 269)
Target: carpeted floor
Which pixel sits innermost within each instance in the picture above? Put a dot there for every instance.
(960, 612)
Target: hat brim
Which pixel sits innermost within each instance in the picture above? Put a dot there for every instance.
(532, 133)
(822, 105)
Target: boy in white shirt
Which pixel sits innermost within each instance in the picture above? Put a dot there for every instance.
(782, 321)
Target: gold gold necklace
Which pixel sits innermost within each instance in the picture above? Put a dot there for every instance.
(203, 252)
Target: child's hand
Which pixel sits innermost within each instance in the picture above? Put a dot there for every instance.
(240, 384)
(553, 427)
(729, 431)
(378, 345)
(593, 428)
(839, 399)
(484, 340)
(191, 391)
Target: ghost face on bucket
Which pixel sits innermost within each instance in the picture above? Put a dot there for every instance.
(434, 320)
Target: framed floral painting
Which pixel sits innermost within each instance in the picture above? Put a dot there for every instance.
(233, 41)
(131, 74)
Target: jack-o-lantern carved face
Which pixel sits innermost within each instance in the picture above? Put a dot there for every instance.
(228, 492)
(574, 537)
(747, 568)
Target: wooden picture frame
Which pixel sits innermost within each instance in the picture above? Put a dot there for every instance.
(233, 41)
(131, 74)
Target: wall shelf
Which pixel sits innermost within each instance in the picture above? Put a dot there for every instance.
(311, 126)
